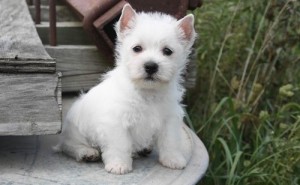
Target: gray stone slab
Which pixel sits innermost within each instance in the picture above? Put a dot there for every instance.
(30, 160)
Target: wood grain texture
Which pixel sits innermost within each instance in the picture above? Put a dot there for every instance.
(82, 82)
(81, 66)
(29, 104)
(78, 59)
(18, 36)
(27, 66)
(30, 91)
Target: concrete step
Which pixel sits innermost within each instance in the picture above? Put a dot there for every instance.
(31, 160)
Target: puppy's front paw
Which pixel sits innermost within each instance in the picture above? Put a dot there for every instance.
(173, 160)
(118, 167)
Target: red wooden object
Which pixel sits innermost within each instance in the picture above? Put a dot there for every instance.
(37, 4)
(52, 26)
(88, 11)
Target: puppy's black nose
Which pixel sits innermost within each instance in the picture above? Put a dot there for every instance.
(151, 68)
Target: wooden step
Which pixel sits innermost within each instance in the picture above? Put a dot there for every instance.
(30, 89)
(63, 13)
(68, 33)
(81, 66)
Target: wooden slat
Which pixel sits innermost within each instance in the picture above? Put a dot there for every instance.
(27, 66)
(81, 66)
(78, 83)
(78, 59)
(63, 13)
(29, 104)
(68, 33)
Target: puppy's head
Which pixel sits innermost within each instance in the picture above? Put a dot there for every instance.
(153, 47)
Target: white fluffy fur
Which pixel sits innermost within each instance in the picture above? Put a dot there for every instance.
(126, 113)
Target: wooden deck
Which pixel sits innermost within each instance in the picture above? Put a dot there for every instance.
(30, 89)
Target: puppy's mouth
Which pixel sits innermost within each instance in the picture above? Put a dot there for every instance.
(154, 79)
(150, 78)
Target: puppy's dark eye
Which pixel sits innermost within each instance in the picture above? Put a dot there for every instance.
(167, 51)
(137, 49)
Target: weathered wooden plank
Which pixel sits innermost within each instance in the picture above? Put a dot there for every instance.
(27, 66)
(30, 101)
(81, 66)
(68, 33)
(80, 82)
(63, 13)
(18, 35)
(78, 59)
(29, 104)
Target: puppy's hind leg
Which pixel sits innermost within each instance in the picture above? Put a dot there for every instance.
(73, 144)
(80, 152)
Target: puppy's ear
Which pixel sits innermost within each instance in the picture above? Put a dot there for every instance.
(186, 24)
(127, 17)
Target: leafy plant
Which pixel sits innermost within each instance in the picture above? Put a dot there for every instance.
(246, 105)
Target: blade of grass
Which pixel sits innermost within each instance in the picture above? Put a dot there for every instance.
(233, 168)
(242, 84)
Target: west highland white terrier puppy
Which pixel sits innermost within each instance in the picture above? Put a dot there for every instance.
(137, 105)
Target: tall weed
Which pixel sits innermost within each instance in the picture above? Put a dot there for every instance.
(246, 105)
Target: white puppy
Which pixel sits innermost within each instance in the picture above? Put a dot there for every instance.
(137, 105)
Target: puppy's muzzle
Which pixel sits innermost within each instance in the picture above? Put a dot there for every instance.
(150, 68)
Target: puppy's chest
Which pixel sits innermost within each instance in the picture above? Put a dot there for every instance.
(143, 122)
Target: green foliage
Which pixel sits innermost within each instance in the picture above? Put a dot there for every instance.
(246, 105)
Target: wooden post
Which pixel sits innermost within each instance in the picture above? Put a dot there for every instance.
(52, 17)
(37, 4)
(29, 2)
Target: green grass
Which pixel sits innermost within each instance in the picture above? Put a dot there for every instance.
(246, 104)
